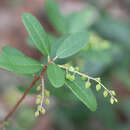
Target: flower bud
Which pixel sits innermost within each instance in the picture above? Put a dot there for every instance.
(71, 68)
(105, 93)
(43, 111)
(98, 87)
(47, 101)
(47, 93)
(83, 77)
(76, 68)
(87, 84)
(39, 107)
(68, 76)
(98, 79)
(38, 88)
(72, 78)
(111, 100)
(113, 92)
(36, 113)
(38, 96)
(38, 101)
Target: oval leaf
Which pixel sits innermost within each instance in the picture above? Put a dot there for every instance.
(19, 64)
(56, 75)
(36, 33)
(85, 95)
(72, 44)
(11, 51)
(55, 16)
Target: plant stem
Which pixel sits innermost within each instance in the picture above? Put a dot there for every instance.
(22, 98)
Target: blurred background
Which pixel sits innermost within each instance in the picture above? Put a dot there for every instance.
(107, 56)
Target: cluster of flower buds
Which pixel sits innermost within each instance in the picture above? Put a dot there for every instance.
(69, 76)
(87, 78)
(39, 101)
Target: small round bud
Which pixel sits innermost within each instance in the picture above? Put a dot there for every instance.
(72, 78)
(83, 77)
(87, 84)
(105, 93)
(47, 101)
(38, 101)
(76, 68)
(68, 76)
(38, 96)
(111, 100)
(47, 93)
(43, 111)
(98, 79)
(71, 68)
(113, 92)
(116, 100)
(98, 87)
(38, 88)
(36, 113)
(39, 107)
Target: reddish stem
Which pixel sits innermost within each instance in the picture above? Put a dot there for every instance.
(22, 98)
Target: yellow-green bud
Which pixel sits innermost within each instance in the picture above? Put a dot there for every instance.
(47, 93)
(38, 101)
(98, 87)
(43, 111)
(72, 78)
(38, 96)
(105, 93)
(111, 100)
(87, 84)
(36, 113)
(98, 79)
(47, 101)
(84, 78)
(113, 92)
(39, 107)
(38, 88)
(68, 76)
(77, 68)
(116, 100)
(71, 68)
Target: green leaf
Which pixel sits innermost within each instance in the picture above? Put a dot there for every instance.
(36, 33)
(56, 75)
(19, 64)
(11, 51)
(84, 94)
(79, 21)
(72, 44)
(55, 16)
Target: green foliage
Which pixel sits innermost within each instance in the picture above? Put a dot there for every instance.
(56, 75)
(55, 16)
(72, 44)
(36, 33)
(85, 95)
(19, 64)
(79, 21)
(11, 51)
